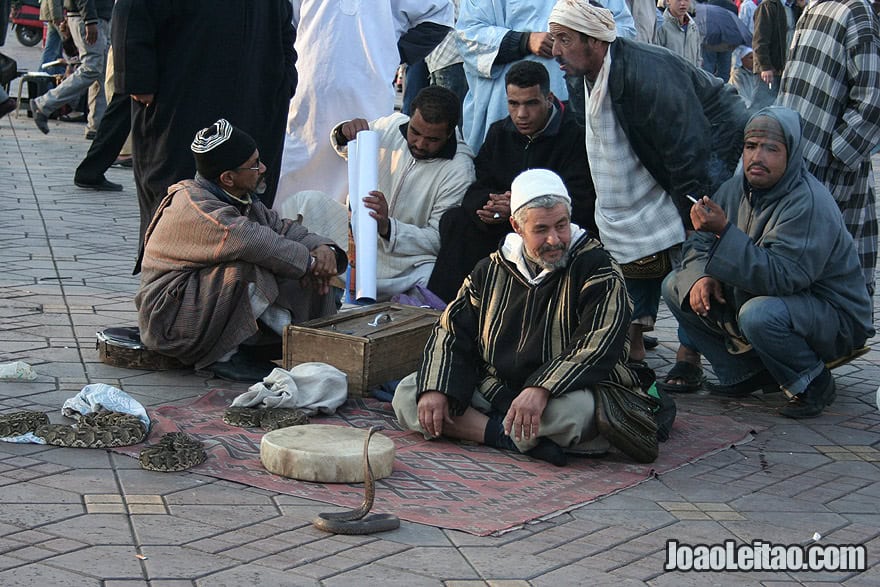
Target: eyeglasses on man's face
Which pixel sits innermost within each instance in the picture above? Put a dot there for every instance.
(256, 167)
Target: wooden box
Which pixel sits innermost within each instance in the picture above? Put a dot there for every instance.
(372, 345)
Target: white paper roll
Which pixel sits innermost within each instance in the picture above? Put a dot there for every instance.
(352, 180)
(367, 232)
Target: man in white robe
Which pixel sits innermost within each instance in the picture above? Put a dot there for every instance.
(348, 53)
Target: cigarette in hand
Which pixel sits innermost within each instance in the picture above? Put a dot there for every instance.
(696, 201)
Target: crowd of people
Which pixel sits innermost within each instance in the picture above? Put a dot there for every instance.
(605, 155)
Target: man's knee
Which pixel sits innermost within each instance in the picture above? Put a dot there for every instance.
(90, 72)
(570, 419)
(762, 315)
(405, 403)
(667, 288)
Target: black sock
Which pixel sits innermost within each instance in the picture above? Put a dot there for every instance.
(549, 451)
(494, 435)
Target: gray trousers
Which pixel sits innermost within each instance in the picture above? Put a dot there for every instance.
(88, 76)
(568, 420)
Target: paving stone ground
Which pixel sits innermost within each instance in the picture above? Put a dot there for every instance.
(92, 518)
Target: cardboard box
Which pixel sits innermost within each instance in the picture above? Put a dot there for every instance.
(372, 345)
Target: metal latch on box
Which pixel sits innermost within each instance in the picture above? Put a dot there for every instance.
(381, 318)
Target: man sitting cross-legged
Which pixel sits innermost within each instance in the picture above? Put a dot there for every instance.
(770, 287)
(220, 269)
(537, 328)
(536, 134)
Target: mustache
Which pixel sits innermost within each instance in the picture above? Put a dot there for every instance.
(549, 248)
(759, 166)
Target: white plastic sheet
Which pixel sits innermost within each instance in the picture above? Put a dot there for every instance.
(363, 175)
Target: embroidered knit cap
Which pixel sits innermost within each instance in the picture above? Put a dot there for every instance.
(221, 147)
(533, 184)
(765, 127)
(585, 18)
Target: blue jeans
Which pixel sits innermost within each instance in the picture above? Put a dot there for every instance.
(718, 64)
(793, 359)
(416, 80)
(453, 79)
(645, 296)
(52, 50)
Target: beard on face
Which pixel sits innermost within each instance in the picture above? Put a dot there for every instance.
(261, 187)
(549, 265)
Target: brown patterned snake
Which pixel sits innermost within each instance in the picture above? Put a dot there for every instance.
(176, 451)
(356, 521)
(265, 418)
(100, 429)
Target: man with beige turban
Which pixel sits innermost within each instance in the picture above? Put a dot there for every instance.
(658, 128)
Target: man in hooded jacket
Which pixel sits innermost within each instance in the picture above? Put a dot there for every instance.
(770, 288)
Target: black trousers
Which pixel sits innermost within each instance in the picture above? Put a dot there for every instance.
(111, 135)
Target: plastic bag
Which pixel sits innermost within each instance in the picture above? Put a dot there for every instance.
(17, 371)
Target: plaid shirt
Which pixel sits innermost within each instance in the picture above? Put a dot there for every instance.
(635, 216)
(832, 79)
(446, 53)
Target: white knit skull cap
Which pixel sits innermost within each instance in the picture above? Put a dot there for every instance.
(534, 183)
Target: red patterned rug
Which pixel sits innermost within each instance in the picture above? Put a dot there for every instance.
(474, 489)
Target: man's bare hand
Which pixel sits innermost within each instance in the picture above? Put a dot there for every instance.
(768, 76)
(378, 206)
(523, 419)
(351, 128)
(433, 413)
(708, 216)
(324, 265)
(496, 210)
(541, 44)
(702, 292)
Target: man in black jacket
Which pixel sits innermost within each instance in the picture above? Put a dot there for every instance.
(536, 134)
(658, 129)
(89, 24)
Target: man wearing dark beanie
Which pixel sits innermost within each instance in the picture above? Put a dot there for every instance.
(222, 274)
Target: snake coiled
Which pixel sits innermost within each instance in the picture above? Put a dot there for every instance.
(356, 521)
(175, 451)
(100, 429)
(265, 418)
(18, 423)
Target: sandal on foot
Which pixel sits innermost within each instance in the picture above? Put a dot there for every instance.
(691, 374)
(760, 381)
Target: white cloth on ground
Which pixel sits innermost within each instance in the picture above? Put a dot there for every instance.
(17, 371)
(311, 387)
